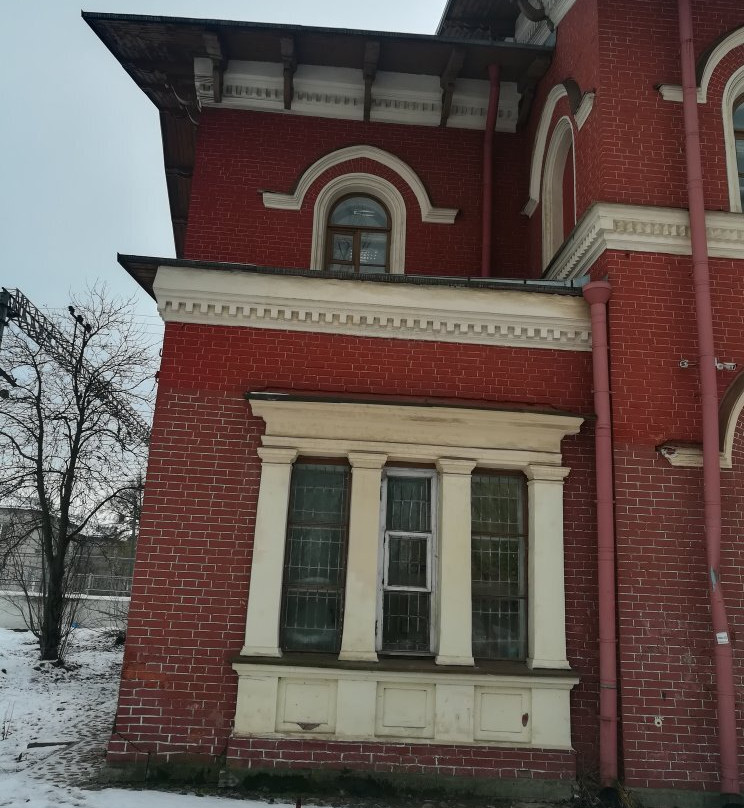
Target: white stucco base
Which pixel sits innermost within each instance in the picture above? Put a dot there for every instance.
(335, 704)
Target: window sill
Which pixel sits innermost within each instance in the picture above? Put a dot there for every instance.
(398, 664)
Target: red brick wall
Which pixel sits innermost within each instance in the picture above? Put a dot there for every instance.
(187, 615)
(666, 641)
(240, 154)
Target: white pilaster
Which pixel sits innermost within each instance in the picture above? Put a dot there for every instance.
(547, 601)
(265, 593)
(455, 576)
(360, 608)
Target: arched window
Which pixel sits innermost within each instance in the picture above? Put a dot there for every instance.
(739, 144)
(358, 236)
(558, 190)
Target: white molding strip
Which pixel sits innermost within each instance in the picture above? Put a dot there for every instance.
(331, 92)
(731, 94)
(294, 200)
(689, 456)
(673, 92)
(637, 228)
(538, 33)
(399, 311)
(541, 138)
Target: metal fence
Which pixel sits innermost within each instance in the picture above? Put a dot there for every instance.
(103, 576)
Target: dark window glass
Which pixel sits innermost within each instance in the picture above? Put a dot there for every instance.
(358, 236)
(406, 595)
(498, 566)
(315, 558)
(739, 139)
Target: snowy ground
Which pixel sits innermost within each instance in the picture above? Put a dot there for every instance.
(42, 704)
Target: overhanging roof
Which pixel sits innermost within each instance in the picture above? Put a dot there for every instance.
(159, 52)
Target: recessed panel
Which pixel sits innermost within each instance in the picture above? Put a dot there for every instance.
(306, 706)
(502, 715)
(405, 710)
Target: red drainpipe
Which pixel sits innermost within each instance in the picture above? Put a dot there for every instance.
(493, 107)
(597, 294)
(709, 397)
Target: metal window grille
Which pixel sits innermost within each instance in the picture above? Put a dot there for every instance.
(498, 566)
(315, 558)
(406, 598)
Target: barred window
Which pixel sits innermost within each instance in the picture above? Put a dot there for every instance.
(315, 558)
(406, 597)
(498, 566)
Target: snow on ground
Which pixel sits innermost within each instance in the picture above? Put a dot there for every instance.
(75, 704)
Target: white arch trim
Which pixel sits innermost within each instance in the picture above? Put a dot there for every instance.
(673, 92)
(294, 200)
(361, 184)
(541, 139)
(734, 89)
(561, 144)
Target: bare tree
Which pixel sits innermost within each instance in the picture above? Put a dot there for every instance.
(64, 454)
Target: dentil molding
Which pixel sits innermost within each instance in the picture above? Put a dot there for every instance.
(502, 317)
(333, 92)
(637, 228)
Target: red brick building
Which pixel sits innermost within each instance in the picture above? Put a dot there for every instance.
(451, 355)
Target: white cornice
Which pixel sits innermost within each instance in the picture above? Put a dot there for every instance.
(636, 228)
(391, 310)
(673, 92)
(330, 92)
(294, 200)
(538, 33)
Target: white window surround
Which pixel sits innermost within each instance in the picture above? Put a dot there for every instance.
(734, 90)
(561, 145)
(541, 139)
(673, 92)
(313, 173)
(371, 702)
(370, 185)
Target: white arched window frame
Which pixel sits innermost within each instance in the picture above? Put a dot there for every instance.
(561, 145)
(369, 185)
(733, 92)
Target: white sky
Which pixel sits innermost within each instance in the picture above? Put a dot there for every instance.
(81, 171)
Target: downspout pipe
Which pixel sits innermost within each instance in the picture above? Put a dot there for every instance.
(723, 656)
(597, 294)
(494, 73)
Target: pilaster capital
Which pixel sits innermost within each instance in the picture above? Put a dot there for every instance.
(276, 455)
(455, 465)
(546, 474)
(367, 460)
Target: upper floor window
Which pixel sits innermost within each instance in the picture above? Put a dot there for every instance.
(358, 236)
(739, 144)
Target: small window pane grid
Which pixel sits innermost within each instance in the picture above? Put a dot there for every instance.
(357, 237)
(407, 564)
(498, 565)
(315, 558)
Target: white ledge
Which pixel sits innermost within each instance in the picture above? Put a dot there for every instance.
(688, 456)
(400, 311)
(638, 228)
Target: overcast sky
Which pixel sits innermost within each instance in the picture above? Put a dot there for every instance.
(81, 169)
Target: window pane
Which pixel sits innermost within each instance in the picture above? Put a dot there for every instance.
(739, 115)
(407, 561)
(498, 628)
(359, 211)
(409, 504)
(311, 621)
(373, 248)
(368, 270)
(343, 246)
(341, 268)
(405, 623)
(315, 558)
(498, 566)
